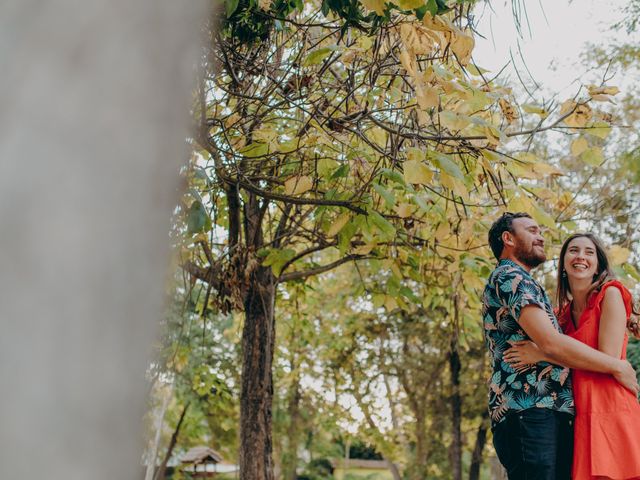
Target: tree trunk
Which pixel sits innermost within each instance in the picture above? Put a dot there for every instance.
(153, 453)
(256, 397)
(481, 439)
(456, 410)
(419, 470)
(293, 432)
(162, 471)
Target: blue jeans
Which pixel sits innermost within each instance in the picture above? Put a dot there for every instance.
(535, 444)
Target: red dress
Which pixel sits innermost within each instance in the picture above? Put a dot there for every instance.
(607, 422)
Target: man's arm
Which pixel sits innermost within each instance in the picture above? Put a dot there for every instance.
(572, 353)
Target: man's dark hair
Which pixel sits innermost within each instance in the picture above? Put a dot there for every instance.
(501, 225)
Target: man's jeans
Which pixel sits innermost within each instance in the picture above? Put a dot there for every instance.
(535, 444)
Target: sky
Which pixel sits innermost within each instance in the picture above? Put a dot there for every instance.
(558, 31)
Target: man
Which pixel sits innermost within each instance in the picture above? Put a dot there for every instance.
(531, 412)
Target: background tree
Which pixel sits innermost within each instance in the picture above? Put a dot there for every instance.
(350, 134)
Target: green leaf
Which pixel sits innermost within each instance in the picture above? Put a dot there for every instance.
(326, 166)
(278, 258)
(592, 156)
(599, 129)
(389, 197)
(341, 172)
(231, 6)
(475, 70)
(631, 271)
(393, 176)
(445, 163)
(432, 7)
(317, 56)
(197, 219)
(384, 226)
(256, 149)
(408, 4)
(407, 292)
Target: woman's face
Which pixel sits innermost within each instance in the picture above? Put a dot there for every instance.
(581, 259)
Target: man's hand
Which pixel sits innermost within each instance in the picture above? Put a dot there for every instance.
(567, 351)
(626, 376)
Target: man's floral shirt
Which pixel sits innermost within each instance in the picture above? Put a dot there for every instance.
(510, 288)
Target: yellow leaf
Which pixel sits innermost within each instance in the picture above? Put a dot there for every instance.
(416, 38)
(390, 303)
(349, 56)
(417, 172)
(493, 135)
(546, 169)
(453, 184)
(602, 98)
(375, 5)
(427, 97)
(453, 121)
(298, 185)
(581, 113)
(405, 210)
(408, 62)
(365, 43)
(578, 146)
(618, 255)
(232, 120)
(604, 90)
(364, 249)
(509, 112)
(336, 226)
(462, 46)
(522, 170)
(465, 232)
(443, 231)
(529, 108)
(415, 154)
(378, 136)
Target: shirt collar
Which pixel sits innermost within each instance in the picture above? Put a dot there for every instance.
(506, 261)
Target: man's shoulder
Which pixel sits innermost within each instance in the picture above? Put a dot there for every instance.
(508, 271)
(510, 279)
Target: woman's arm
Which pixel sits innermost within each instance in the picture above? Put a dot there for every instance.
(613, 323)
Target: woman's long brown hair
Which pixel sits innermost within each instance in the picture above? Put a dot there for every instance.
(603, 275)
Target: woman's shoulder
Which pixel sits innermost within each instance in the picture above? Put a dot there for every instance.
(618, 293)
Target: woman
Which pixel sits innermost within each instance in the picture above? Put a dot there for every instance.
(595, 309)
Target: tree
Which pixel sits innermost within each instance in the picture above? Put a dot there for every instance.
(340, 133)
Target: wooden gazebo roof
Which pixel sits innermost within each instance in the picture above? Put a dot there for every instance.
(201, 454)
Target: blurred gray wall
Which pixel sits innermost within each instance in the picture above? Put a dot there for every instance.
(94, 100)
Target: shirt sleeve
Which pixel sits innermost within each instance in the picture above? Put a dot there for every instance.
(517, 291)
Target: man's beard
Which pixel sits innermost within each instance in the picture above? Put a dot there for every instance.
(528, 256)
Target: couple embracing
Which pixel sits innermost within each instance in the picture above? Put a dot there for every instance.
(550, 422)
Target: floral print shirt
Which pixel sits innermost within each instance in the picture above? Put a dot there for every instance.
(510, 288)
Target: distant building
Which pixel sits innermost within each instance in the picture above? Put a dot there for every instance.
(204, 462)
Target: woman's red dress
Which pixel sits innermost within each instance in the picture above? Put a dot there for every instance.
(607, 422)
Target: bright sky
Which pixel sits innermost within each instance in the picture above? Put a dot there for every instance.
(558, 32)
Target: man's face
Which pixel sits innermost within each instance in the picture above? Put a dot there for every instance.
(528, 242)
